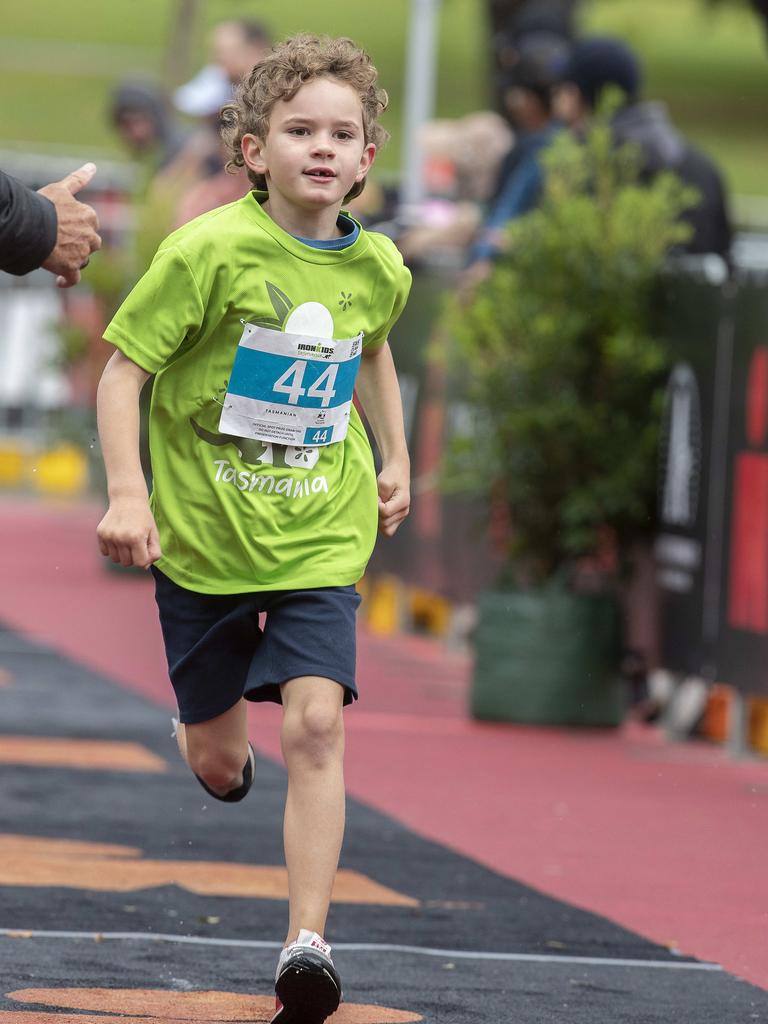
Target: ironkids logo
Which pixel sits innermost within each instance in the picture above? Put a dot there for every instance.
(316, 350)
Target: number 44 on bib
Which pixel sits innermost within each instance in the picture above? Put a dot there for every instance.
(290, 388)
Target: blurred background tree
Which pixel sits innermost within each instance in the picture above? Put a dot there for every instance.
(558, 357)
(760, 7)
(503, 14)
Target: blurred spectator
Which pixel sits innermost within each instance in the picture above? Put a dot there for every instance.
(552, 54)
(595, 64)
(528, 26)
(169, 156)
(49, 228)
(486, 141)
(528, 99)
(540, 24)
(204, 94)
(212, 191)
(462, 156)
(462, 159)
(238, 44)
(143, 117)
(235, 47)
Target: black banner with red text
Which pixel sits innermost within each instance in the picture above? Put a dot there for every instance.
(712, 548)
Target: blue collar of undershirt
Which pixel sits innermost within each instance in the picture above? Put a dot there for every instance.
(350, 228)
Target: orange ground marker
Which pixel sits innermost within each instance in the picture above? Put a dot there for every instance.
(104, 867)
(51, 752)
(153, 1006)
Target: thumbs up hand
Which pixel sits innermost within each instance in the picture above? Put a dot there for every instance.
(76, 236)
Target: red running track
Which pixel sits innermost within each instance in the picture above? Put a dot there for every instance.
(669, 840)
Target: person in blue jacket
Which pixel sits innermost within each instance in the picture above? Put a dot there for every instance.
(528, 97)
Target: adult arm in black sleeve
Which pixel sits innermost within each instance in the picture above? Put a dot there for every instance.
(28, 226)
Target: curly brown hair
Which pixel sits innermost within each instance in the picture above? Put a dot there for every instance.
(280, 75)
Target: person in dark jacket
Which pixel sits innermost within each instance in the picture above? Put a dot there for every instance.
(597, 63)
(49, 228)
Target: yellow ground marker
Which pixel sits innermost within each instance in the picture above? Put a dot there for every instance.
(105, 867)
(54, 752)
(6, 677)
(154, 1006)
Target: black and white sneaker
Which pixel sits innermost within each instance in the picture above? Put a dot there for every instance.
(307, 985)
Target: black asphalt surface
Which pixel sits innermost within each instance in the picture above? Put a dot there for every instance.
(477, 946)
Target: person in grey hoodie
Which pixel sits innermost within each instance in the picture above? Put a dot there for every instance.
(596, 63)
(142, 114)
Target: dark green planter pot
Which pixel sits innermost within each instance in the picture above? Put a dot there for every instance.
(547, 657)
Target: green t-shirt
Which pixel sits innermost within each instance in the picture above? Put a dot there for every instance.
(238, 515)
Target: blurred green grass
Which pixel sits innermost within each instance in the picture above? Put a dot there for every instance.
(57, 70)
(58, 63)
(710, 66)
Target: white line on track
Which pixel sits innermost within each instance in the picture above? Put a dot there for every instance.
(367, 947)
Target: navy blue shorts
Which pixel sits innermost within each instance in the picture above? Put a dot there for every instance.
(218, 652)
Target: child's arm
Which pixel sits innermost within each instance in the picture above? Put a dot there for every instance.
(127, 533)
(379, 395)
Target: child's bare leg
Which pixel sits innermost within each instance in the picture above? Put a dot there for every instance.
(313, 748)
(217, 750)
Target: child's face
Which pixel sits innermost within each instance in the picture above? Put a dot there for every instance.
(315, 148)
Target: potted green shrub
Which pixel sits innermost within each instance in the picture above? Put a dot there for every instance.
(558, 360)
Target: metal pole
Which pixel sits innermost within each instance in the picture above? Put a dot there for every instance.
(738, 727)
(419, 101)
(184, 25)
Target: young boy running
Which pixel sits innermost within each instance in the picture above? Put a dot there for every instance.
(259, 320)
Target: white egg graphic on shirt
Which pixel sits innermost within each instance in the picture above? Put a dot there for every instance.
(311, 318)
(314, 320)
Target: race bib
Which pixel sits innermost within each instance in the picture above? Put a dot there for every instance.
(291, 389)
